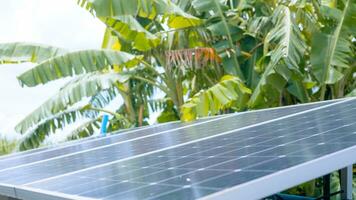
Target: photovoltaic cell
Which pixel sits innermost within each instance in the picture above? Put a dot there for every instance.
(197, 161)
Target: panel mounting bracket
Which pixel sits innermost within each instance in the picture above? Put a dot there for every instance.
(346, 183)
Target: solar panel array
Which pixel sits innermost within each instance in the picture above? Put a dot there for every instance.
(210, 158)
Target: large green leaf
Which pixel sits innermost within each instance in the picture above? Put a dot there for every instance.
(229, 93)
(288, 48)
(75, 63)
(290, 44)
(297, 89)
(38, 134)
(254, 47)
(306, 16)
(257, 26)
(27, 52)
(209, 6)
(152, 9)
(331, 52)
(104, 97)
(169, 113)
(83, 86)
(224, 29)
(352, 93)
(85, 130)
(130, 29)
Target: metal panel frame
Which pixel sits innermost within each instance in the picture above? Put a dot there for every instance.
(7, 190)
(288, 178)
(27, 193)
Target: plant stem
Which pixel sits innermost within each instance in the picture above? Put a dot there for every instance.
(231, 44)
(336, 39)
(116, 115)
(151, 82)
(149, 66)
(140, 115)
(103, 110)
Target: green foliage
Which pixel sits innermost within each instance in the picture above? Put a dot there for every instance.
(34, 137)
(352, 94)
(330, 59)
(152, 9)
(119, 122)
(75, 63)
(169, 113)
(27, 52)
(229, 93)
(6, 146)
(131, 30)
(83, 86)
(85, 130)
(223, 29)
(284, 59)
(354, 186)
(260, 54)
(265, 54)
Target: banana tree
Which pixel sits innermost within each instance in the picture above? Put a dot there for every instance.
(206, 57)
(334, 62)
(277, 47)
(93, 75)
(100, 75)
(182, 49)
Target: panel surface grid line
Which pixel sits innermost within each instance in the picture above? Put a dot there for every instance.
(201, 163)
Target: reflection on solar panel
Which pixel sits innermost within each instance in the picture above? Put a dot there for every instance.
(247, 155)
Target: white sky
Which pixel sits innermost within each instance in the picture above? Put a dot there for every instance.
(56, 22)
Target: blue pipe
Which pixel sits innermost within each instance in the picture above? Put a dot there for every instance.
(104, 124)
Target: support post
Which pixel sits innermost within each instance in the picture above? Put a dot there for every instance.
(346, 183)
(326, 187)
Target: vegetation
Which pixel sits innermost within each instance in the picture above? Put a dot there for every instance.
(6, 146)
(206, 57)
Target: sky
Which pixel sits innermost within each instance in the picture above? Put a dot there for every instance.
(58, 23)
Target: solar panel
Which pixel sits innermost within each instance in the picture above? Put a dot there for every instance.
(73, 146)
(86, 143)
(97, 152)
(113, 137)
(209, 159)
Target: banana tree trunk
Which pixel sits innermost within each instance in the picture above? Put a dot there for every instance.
(130, 111)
